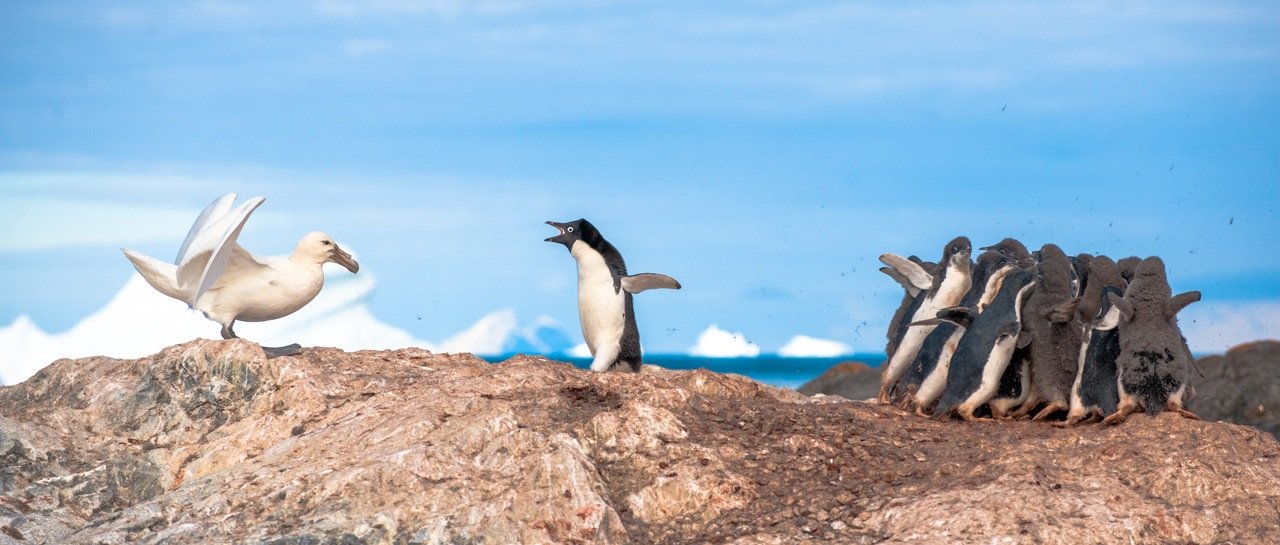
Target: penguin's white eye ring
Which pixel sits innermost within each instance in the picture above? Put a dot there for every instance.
(569, 230)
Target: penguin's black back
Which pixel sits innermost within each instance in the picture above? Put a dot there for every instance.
(1098, 378)
(1011, 381)
(629, 354)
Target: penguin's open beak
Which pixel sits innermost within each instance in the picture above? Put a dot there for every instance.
(561, 238)
(341, 257)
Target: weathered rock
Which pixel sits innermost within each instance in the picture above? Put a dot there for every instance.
(850, 379)
(209, 442)
(1242, 386)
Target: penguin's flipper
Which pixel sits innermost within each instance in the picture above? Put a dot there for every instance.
(931, 321)
(1024, 340)
(1109, 320)
(637, 283)
(1009, 329)
(902, 280)
(912, 271)
(1124, 307)
(1181, 300)
(961, 316)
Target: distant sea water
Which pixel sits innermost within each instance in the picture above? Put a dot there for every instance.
(769, 369)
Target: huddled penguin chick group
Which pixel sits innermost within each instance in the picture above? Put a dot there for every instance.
(1021, 335)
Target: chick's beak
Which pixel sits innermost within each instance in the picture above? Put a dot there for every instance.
(337, 255)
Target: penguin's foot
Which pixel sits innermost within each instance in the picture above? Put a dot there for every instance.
(920, 411)
(906, 403)
(1000, 408)
(278, 351)
(883, 397)
(1115, 418)
(1078, 416)
(1072, 421)
(1022, 411)
(1175, 405)
(966, 413)
(1048, 410)
(1121, 414)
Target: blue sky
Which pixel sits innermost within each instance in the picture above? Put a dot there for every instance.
(763, 153)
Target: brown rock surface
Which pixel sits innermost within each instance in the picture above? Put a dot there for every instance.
(209, 442)
(850, 379)
(1242, 386)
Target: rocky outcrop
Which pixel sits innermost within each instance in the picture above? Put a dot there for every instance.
(850, 379)
(209, 442)
(1242, 386)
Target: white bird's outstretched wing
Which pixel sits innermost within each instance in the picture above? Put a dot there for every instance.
(212, 213)
(211, 247)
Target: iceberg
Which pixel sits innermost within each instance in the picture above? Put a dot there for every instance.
(714, 342)
(139, 321)
(804, 346)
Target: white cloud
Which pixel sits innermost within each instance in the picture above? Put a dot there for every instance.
(804, 346)
(718, 343)
(1212, 327)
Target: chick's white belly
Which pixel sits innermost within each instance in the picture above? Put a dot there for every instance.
(600, 312)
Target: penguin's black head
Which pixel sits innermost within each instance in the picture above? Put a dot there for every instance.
(571, 231)
(1011, 248)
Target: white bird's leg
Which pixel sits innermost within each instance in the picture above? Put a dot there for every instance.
(271, 351)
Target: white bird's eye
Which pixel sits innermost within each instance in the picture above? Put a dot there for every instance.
(569, 230)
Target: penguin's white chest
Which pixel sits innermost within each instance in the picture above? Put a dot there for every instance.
(600, 308)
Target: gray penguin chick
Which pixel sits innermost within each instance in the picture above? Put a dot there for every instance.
(1055, 339)
(1153, 363)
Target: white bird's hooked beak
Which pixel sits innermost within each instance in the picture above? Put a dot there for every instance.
(337, 255)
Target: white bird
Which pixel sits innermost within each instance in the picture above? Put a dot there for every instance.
(215, 275)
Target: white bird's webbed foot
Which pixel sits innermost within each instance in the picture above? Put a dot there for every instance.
(278, 351)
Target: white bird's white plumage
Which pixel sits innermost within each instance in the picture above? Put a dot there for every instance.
(211, 243)
(218, 277)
